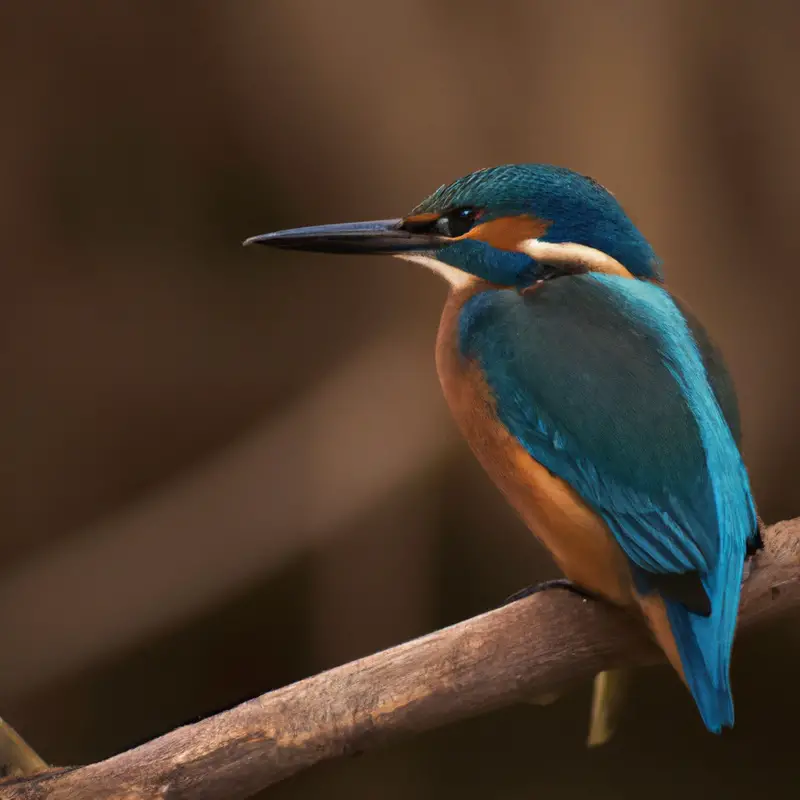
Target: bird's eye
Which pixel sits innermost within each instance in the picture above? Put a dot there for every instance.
(456, 222)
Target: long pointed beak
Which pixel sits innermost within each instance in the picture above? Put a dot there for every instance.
(379, 236)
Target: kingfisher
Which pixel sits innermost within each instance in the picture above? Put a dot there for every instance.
(591, 395)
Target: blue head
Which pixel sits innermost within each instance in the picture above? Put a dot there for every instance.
(509, 225)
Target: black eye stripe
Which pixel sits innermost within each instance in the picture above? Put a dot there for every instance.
(452, 224)
(456, 222)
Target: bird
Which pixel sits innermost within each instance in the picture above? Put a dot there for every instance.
(591, 395)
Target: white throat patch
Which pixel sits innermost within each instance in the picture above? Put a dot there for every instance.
(455, 277)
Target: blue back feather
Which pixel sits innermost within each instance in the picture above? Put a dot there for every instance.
(602, 381)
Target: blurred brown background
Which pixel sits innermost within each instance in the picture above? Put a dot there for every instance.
(224, 470)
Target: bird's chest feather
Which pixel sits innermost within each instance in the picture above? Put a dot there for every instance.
(576, 537)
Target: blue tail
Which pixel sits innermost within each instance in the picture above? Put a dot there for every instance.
(705, 643)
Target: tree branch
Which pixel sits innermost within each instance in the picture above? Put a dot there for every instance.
(532, 647)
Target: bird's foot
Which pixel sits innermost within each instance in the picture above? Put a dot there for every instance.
(557, 583)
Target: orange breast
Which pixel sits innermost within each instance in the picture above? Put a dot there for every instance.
(577, 538)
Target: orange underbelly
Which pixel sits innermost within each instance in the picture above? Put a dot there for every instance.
(575, 535)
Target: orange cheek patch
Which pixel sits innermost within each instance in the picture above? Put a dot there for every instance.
(506, 233)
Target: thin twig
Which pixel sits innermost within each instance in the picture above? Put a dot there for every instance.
(535, 646)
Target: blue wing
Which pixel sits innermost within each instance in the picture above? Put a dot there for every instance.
(601, 380)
